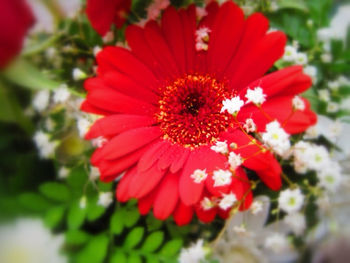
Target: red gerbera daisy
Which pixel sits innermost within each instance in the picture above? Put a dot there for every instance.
(103, 13)
(162, 103)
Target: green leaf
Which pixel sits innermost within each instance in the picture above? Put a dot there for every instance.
(55, 191)
(134, 237)
(76, 216)
(77, 177)
(30, 76)
(152, 259)
(153, 241)
(171, 248)
(11, 110)
(118, 257)
(40, 45)
(116, 224)
(293, 4)
(153, 223)
(132, 215)
(33, 201)
(76, 237)
(134, 259)
(54, 216)
(94, 211)
(95, 251)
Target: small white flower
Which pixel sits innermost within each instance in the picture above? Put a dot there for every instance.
(94, 173)
(82, 202)
(232, 106)
(249, 125)
(326, 58)
(334, 85)
(301, 59)
(98, 142)
(311, 71)
(296, 221)
(61, 94)
(63, 172)
(291, 200)
(312, 132)
(44, 145)
(298, 103)
(105, 199)
(290, 54)
(256, 207)
(108, 37)
(324, 95)
(220, 147)
(317, 157)
(193, 254)
(83, 125)
(222, 177)
(202, 38)
(96, 50)
(50, 124)
(332, 107)
(235, 160)
(310, 23)
(78, 74)
(200, 46)
(276, 138)
(41, 100)
(241, 230)
(277, 243)
(199, 175)
(255, 96)
(330, 178)
(207, 204)
(227, 201)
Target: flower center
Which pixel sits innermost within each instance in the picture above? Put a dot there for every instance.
(189, 110)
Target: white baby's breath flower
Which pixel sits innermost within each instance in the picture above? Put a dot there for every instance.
(256, 207)
(78, 74)
(232, 106)
(277, 243)
(296, 221)
(94, 173)
(96, 50)
(249, 125)
(332, 107)
(298, 103)
(63, 172)
(326, 58)
(312, 72)
(330, 178)
(234, 160)
(61, 94)
(207, 204)
(199, 175)
(105, 199)
(334, 85)
(193, 254)
(301, 59)
(41, 100)
(227, 201)
(220, 147)
(291, 200)
(324, 95)
(82, 202)
(44, 145)
(222, 177)
(83, 125)
(290, 54)
(255, 96)
(276, 138)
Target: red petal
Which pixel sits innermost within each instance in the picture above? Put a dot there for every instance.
(114, 124)
(122, 191)
(201, 158)
(167, 197)
(225, 37)
(173, 33)
(174, 153)
(206, 216)
(129, 141)
(145, 203)
(152, 155)
(241, 187)
(180, 161)
(122, 60)
(144, 182)
(183, 214)
(113, 101)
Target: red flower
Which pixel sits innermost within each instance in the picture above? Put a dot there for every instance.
(162, 101)
(15, 20)
(103, 13)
